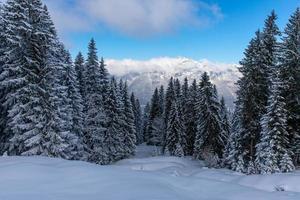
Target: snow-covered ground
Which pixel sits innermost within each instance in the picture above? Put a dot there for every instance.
(149, 178)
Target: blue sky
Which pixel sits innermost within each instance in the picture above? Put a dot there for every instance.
(218, 30)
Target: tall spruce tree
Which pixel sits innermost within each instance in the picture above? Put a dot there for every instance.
(31, 75)
(146, 116)
(80, 71)
(273, 154)
(155, 125)
(208, 139)
(73, 107)
(290, 75)
(190, 115)
(129, 138)
(225, 121)
(136, 107)
(252, 97)
(175, 133)
(95, 116)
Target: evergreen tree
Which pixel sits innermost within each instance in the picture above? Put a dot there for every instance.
(73, 106)
(225, 122)
(190, 114)
(155, 124)
(129, 138)
(80, 71)
(112, 142)
(175, 133)
(30, 76)
(169, 97)
(209, 139)
(290, 74)
(146, 116)
(252, 97)
(3, 110)
(273, 154)
(137, 118)
(95, 122)
(162, 99)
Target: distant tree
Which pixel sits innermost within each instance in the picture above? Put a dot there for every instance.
(209, 128)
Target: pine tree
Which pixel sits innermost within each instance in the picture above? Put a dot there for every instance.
(225, 122)
(3, 109)
(74, 107)
(290, 74)
(162, 99)
(129, 138)
(146, 116)
(30, 76)
(137, 118)
(252, 97)
(112, 142)
(155, 124)
(190, 114)
(169, 97)
(80, 70)
(273, 154)
(175, 133)
(95, 122)
(209, 128)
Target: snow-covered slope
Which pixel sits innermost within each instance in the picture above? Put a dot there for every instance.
(144, 76)
(151, 178)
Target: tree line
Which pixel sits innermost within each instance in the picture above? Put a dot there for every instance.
(53, 107)
(263, 134)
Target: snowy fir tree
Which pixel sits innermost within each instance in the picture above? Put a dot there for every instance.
(175, 138)
(155, 124)
(145, 121)
(80, 71)
(252, 96)
(136, 108)
(225, 122)
(129, 138)
(208, 139)
(190, 115)
(273, 154)
(290, 75)
(95, 116)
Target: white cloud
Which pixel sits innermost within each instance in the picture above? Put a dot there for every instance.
(132, 17)
(167, 65)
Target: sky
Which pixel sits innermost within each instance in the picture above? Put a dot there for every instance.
(217, 30)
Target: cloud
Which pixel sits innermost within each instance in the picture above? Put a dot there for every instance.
(132, 17)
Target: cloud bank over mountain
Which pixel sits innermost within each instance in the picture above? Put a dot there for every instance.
(144, 76)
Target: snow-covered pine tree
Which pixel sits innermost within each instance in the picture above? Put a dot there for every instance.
(162, 99)
(29, 63)
(104, 79)
(290, 74)
(113, 138)
(252, 97)
(3, 110)
(273, 154)
(73, 107)
(175, 133)
(169, 97)
(225, 121)
(80, 71)
(208, 141)
(190, 115)
(95, 116)
(155, 125)
(136, 107)
(129, 137)
(145, 121)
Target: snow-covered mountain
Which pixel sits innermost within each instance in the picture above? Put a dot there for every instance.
(144, 76)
